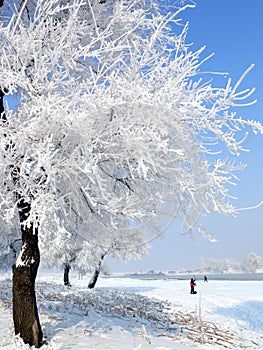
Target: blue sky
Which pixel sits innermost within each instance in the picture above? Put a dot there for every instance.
(233, 31)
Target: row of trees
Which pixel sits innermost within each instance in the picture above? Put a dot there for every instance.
(67, 251)
(251, 263)
(107, 142)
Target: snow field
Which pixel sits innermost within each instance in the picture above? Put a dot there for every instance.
(129, 314)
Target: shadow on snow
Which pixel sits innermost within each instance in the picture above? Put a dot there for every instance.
(249, 311)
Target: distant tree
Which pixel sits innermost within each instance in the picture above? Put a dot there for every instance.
(253, 262)
(61, 248)
(202, 264)
(234, 265)
(111, 129)
(213, 265)
(223, 265)
(96, 273)
(128, 248)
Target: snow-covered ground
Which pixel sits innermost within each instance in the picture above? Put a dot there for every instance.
(128, 314)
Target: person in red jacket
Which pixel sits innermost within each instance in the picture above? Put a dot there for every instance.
(192, 286)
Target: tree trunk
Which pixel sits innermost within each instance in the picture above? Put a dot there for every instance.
(66, 275)
(14, 250)
(95, 276)
(25, 313)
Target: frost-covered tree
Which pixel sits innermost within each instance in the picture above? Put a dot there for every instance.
(62, 248)
(253, 262)
(124, 248)
(110, 131)
(202, 264)
(224, 265)
(213, 265)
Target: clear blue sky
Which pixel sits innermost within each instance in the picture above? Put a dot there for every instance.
(233, 31)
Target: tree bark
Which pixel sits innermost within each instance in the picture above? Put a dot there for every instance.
(96, 273)
(66, 275)
(94, 278)
(25, 314)
(14, 250)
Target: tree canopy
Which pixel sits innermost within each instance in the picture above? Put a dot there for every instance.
(113, 123)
